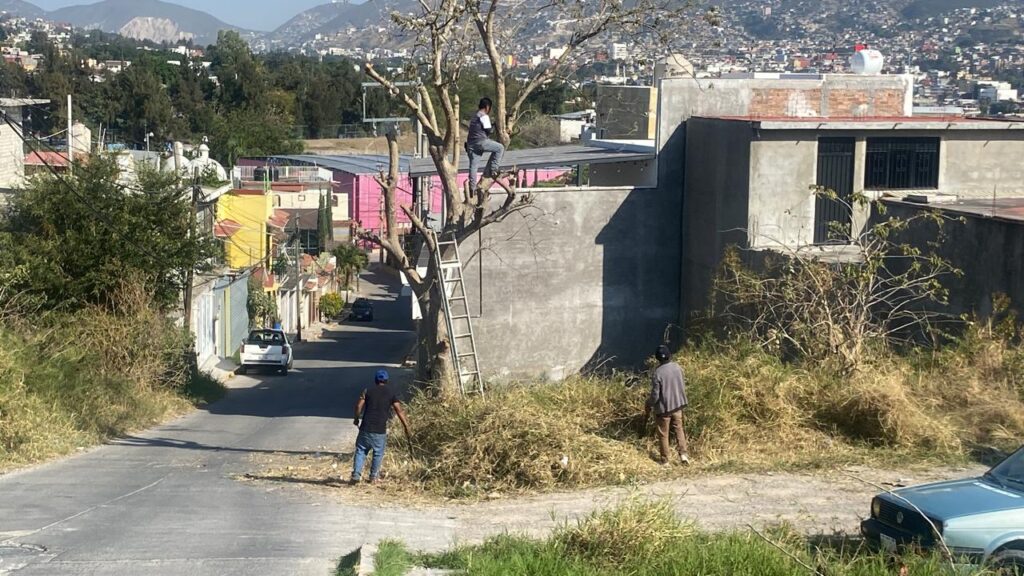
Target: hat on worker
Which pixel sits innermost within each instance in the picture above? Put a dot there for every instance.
(662, 353)
(381, 376)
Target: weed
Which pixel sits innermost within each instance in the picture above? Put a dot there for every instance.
(644, 539)
(392, 559)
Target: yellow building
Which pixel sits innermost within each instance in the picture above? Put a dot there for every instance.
(244, 222)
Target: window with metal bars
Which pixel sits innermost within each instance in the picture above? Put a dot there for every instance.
(902, 163)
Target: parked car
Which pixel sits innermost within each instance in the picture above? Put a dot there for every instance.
(362, 310)
(266, 348)
(980, 520)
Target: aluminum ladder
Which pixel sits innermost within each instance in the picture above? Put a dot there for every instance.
(456, 314)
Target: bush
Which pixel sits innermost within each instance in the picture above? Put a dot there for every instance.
(331, 305)
(748, 410)
(83, 377)
(575, 433)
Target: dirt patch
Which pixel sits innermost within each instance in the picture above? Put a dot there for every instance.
(823, 502)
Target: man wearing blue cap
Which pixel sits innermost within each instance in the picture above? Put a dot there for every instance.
(374, 408)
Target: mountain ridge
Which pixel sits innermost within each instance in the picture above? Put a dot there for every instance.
(135, 18)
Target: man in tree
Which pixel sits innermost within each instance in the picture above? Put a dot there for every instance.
(478, 143)
(667, 401)
(374, 406)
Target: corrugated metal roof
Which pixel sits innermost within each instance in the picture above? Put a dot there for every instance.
(350, 163)
(550, 157)
(1004, 209)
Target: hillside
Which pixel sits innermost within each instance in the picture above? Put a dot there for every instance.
(144, 19)
(336, 17)
(21, 8)
(930, 8)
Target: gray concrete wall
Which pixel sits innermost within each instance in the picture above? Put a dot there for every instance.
(589, 275)
(716, 204)
(12, 153)
(989, 252)
(783, 167)
(978, 164)
(626, 111)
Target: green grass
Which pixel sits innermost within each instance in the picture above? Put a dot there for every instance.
(645, 539)
(203, 389)
(392, 559)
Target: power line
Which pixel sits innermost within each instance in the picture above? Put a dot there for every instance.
(76, 193)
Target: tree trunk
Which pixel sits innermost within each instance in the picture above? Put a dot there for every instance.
(434, 364)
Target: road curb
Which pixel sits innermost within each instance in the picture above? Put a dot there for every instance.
(367, 555)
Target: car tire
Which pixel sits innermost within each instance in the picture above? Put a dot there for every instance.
(241, 370)
(1008, 563)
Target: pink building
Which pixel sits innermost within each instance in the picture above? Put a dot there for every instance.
(354, 175)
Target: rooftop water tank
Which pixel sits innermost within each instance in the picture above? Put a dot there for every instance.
(867, 62)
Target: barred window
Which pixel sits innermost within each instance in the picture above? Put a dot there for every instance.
(902, 163)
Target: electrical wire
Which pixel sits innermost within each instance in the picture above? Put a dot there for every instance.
(75, 192)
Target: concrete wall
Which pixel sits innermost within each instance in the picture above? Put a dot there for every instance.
(978, 164)
(989, 251)
(830, 95)
(783, 167)
(627, 112)
(12, 153)
(590, 275)
(716, 205)
(233, 324)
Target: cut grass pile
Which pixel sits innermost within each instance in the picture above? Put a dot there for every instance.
(78, 379)
(748, 411)
(644, 538)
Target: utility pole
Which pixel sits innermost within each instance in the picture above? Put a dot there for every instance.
(71, 149)
(298, 285)
(190, 273)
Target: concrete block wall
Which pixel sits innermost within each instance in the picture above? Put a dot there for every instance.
(588, 276)
(12, 154)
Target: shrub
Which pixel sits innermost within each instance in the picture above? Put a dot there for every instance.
(82, 377)
(331, 305)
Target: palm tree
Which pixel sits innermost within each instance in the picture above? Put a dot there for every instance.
(350, 260)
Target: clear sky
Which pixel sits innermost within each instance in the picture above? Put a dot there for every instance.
(251, 14)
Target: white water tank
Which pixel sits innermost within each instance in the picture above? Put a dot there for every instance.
(867, 62)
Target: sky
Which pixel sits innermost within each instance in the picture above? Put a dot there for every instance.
(251, 14)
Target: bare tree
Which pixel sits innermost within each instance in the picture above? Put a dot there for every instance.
(873, 289)
(450, 36)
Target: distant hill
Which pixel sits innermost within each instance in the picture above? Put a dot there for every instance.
(145, 20)
(21, 8)
(338, 16)
(929, 8)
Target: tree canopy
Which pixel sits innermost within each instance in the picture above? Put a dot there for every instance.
(72, 241)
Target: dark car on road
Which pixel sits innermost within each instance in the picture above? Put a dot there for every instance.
(362, 310)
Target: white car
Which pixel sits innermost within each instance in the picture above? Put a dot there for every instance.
(266, 348)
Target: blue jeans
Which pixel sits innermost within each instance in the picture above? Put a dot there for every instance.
(476, 152)
(365, 442)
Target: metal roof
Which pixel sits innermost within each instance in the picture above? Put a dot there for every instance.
(350, 163)
(872, 123)
(550, 157)
(1003, 209)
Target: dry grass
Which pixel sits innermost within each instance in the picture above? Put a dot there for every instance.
(76, 380)
(748, 411)
(578, 433)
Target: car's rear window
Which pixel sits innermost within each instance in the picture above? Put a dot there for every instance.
(266, 337)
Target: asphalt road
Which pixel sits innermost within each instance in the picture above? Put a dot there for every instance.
(169, 501)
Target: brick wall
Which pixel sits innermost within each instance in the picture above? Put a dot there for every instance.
(800, 102)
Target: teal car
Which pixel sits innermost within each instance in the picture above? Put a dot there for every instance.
(980, 520)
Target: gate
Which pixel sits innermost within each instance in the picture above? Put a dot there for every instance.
(833, 218)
